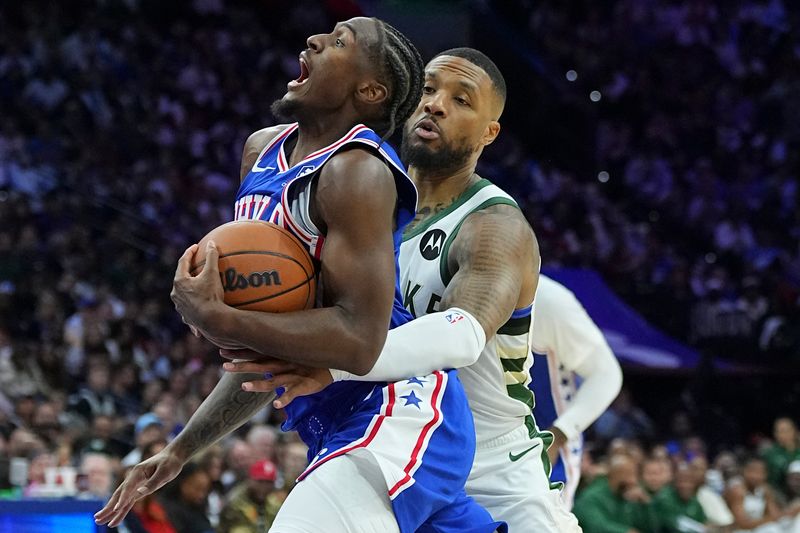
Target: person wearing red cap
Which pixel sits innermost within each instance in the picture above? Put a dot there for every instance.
(253, 504)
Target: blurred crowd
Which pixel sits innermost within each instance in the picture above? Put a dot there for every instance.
(694, 204)
(678, 485)
(121, 129)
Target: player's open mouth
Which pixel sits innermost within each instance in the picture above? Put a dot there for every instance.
(304, 73)
(427, 129)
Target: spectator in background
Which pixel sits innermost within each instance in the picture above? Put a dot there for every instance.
(785, 450)
(185, 500)
(656, 474)
(101, 440)
(793, 485)
(212, 462)
(293, 460)
(148, 428)
(714, 506)
(623, 419)
(95, 398)
(616, 503)
(253, 505)
(262, 439)
(752, 501)
(99, 474)
(239, 457)
(677, 507)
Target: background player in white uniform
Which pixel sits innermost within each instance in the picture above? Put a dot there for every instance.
(471, 254)
(566, 343)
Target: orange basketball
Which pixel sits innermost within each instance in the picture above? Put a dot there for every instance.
(263, 267)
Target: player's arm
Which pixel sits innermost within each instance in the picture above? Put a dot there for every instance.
(562, 325)
(494, 260)
(355, 201)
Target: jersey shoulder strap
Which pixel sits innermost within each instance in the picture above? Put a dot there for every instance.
(446, 223)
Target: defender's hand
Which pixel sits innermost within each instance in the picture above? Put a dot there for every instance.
(295, 380)
(145, 478)
(559, 440)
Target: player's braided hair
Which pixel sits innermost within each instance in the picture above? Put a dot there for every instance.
(403, 68)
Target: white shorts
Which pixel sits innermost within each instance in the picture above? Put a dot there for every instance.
(508, 478)
(345, 495)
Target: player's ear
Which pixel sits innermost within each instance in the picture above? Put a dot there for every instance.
(490, 133)
(372, 92)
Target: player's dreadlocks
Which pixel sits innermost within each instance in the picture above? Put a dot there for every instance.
(401, 63)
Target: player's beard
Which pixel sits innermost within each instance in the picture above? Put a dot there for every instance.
(285, 109)
(440, 160)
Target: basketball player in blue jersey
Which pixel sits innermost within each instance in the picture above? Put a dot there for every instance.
(381, 454)
(469, 271)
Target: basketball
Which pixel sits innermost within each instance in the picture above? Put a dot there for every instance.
(263, 267)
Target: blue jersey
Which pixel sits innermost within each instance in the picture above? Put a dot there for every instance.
(273, 191)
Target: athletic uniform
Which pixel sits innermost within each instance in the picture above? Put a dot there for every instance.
(509, 476)
(396, 437)
(566, 345)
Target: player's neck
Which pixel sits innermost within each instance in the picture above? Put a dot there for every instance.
(438, 188)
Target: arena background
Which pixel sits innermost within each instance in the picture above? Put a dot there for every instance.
(652, 144)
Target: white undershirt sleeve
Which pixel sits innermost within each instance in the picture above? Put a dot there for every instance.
(441, 340)
(602, 380)
(563, 327)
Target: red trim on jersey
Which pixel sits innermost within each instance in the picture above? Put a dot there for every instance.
(274, 141)
(349, 135)
(295, 228)
(425, 430)
(389, 406)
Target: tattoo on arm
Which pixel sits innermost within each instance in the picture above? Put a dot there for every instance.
(495, 259)
(224, 410)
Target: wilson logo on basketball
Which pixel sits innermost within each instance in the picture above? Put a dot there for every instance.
(233, 281)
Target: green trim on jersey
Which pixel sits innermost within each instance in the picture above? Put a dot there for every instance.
(514, 365)
(516, 326)
(458, 202)
(443, 270)
(520, 391)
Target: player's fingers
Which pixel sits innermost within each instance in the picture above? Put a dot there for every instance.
(302, 387)
(104, 515)
(240, 353)
(211, 267)
(160, 477)
(185, 262)
(273, 366)
(259, 386)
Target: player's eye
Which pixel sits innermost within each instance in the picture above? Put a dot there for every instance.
(462, 101)
(427, 89)
(339, 43)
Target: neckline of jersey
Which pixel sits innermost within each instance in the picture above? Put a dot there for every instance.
(346, 137)
(458, 202)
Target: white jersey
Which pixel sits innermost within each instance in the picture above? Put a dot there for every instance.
(497, 383)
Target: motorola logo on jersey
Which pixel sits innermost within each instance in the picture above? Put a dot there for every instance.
(431, 244)
(233, 281)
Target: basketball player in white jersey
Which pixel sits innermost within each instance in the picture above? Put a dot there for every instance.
(566, 343)
(469, 269)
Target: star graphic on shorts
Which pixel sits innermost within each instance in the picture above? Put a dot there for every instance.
(417, 381)
(412, 399)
